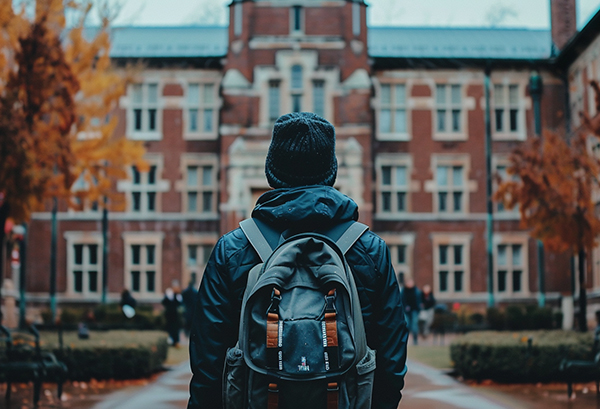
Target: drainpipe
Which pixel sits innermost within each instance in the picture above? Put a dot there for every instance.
(490, 205)
(535, 90)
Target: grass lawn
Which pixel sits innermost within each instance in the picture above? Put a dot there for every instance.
(436, 356)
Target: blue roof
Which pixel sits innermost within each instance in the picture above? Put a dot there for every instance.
(416, 42)
(164, 42)
(384, 42)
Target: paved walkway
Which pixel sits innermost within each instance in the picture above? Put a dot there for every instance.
(426, 388)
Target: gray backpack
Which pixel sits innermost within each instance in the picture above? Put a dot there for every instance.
(302, 341)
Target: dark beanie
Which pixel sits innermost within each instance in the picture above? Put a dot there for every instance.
(302, 152)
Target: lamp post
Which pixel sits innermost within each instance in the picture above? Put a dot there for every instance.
(53, 260)
(105, 250)
(535, 90)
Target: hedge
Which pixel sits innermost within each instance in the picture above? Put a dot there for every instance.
(107, 317)
(506, 356)
(106, 354)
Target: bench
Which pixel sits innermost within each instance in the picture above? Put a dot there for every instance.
(573, 368)
(21, 363)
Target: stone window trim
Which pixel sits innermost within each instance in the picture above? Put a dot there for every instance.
(499, 165)
(129, 187)
(468, 186)
(449, 106)
(131, 105)
(504, 103)
(195, 239)
(144, 239)
(191, 160)
(452, 240)
(394, 161)
(509, 240)
(209, 103)
(393, 106)
(297, 20)
(403, 263)
(85, 238)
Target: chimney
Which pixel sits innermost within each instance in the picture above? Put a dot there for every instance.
(563, 15)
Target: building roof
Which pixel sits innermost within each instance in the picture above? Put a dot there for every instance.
(165, 42)
(579, 43)
(459, 43)
(384, 42)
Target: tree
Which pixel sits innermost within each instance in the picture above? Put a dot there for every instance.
(554, 189)
(57, 91)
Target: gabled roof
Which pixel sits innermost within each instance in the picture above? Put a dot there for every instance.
(579, 42)
(459, 43)
(165, 42)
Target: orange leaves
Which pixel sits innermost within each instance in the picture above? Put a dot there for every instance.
(57, 92)
(554, 190)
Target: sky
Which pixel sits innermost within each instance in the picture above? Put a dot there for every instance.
(440, 13)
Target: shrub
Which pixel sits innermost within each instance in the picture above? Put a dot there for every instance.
(495, 318)
(505, 356)
(110, 354)
(108, 316)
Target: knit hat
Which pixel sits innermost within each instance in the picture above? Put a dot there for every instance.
(302, 152)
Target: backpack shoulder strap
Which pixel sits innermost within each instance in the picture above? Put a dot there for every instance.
(351, 236)
(256, 238)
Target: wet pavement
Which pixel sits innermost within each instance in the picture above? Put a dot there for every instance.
(426, 388)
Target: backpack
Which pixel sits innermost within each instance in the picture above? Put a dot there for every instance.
(302, 341)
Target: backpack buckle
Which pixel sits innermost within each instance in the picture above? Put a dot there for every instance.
(275, 299)
(330, 301)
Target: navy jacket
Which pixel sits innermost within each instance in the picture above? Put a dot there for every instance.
(218, 303)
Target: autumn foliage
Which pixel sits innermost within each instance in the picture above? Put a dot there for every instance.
(57, 91)
(556, 189)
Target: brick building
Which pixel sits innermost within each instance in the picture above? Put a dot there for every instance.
(409, 106)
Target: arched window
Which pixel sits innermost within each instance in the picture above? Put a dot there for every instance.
(296, 77)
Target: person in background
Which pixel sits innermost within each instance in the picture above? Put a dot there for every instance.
(128, 303)
(411, 300)
(171, 301)
(427, 313)
(189, 302)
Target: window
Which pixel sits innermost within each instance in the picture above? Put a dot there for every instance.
(274, 100)
(80, 189)
(202, 108)
(199, 184)
(450, 180)
(392, 113)
(197, 248)
(144, 190)
(296, 20)
(319, 97)
(401, 248)
(451, 263)
(296, 88)
(356, 19)
(84, 263)
(507, 113)
(510, 268)
(143, 255)
(238, 15)
(144, 109)
(393, 184)
(448, 102)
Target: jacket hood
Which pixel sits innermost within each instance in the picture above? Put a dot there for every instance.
(309, 205)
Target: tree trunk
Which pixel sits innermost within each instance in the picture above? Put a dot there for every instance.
(582, 316)
(3, 216)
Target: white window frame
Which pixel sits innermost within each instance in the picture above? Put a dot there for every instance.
(394, 161)
(503, 102)
(87, 206)
(86, 239)
(144, 188)
(449, 106)
(510, 240)
(393, 106)
(144, 133)
(468, 186)
(199, 161)
(499, 162)
(274, 107)
(201, 101)
(394, 241)
(296, 92)
(451, 240)
(293, 10)
(203, 241)
(143, 239)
